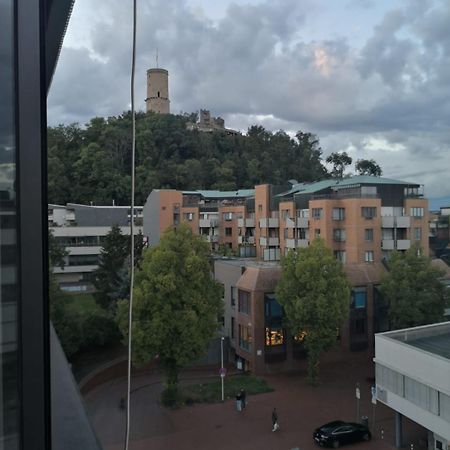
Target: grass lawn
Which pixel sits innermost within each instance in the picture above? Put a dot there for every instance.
(83, 304)
(210, 392)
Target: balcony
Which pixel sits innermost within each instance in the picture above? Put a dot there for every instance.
(302, 222)
(204, 223)
(302, 243)
(290, 243)
(403, 221)
(213, 238)
(387, 244)
(387, 221)
(271, 241)
(290, 223)
(248, 223)
(395, 221)
(403, 244)
(246, 239)
(263, 241)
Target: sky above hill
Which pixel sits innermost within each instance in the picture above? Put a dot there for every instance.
(370, 77)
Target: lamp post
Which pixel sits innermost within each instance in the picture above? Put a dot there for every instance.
(222, 372)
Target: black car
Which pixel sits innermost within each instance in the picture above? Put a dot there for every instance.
(338, 433)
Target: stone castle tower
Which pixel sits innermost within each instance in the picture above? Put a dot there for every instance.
(158, 91)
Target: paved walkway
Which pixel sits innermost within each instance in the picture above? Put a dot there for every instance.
(301, 408)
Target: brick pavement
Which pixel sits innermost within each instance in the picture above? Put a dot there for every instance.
(301, 408)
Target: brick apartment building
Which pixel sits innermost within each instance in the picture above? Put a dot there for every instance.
(362, 219)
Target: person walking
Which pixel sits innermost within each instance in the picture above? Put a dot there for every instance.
(275, 425)
(243, 399)
(238, 401)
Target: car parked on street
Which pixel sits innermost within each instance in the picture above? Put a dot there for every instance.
(337, 433)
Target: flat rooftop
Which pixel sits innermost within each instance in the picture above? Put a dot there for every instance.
(433, 339)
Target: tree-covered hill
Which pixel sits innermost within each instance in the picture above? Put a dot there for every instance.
(92, 163)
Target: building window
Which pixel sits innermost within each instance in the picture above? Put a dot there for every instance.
(340, 255)
(317, 213)
(274, 336)
(228, 216)
(368, 212)
(301, 233)
(317, 232)
(244, 305)
(233, 325)
(417, 212)
(188, 216)
(228, 231)
(359, 327)
(245, 337)
(368, 256)
(368, 234)
(233, 296)
(285, 214)
(286, 233)
(259, 208)
(417, 234)
(338, 213)
(339, 235)
(359, 297)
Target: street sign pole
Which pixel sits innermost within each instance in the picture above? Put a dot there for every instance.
(222, 372)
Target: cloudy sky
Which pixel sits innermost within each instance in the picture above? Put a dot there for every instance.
(371, 77)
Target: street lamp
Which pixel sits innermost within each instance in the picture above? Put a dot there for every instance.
(222, 372)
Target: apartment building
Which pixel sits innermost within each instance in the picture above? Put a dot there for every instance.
(413, 378)
(362, 218)
(81, 230)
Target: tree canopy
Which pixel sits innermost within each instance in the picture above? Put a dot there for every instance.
(412, 287)
(93, 163)
(314, 293)
(368, 167)
(176, 304)
(339, 161)
(107, 279)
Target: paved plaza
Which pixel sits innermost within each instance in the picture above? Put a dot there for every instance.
(301, 408)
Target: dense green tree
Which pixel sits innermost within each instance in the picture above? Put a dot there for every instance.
(368, 167)
(339, 161)
(412, 287)
(112, 258)
(314, 293)
(176, 304)
(92, 164)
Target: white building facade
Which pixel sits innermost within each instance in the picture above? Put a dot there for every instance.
(80, 230)
(413, 378)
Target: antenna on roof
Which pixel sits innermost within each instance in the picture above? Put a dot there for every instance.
(157, 57)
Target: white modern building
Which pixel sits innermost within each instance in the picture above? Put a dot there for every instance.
(81, 229)
(413, 378)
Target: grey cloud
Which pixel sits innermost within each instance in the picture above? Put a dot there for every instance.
(251, 66)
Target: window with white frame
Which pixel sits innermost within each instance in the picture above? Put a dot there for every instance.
(317, 213)
(416, 212)
(340, 255)
(338, 213)
(339, 234)
(417, 234)
(368, 256)
(228, 216)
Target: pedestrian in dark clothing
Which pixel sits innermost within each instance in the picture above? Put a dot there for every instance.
(238, 401)
(243, 399)
(275, 425)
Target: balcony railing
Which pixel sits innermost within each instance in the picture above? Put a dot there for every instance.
(290, 223)
(302, 222)
(395, 221)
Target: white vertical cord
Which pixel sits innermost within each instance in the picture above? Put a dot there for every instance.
(133, 152)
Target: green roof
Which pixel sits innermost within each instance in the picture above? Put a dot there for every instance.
(240, 193)
(311, 188)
